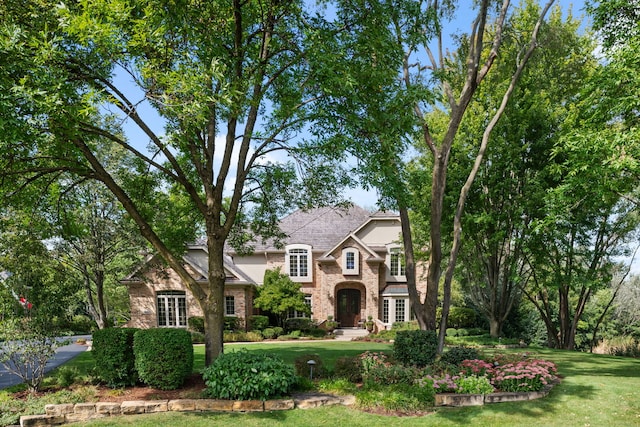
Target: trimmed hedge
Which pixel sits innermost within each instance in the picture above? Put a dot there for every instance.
(415, 348)
(112, 350)
(163, 357)
(456, 355)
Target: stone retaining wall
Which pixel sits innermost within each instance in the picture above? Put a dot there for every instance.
(69, 413)
(454, 399)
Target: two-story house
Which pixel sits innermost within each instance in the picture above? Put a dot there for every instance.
(348, 262)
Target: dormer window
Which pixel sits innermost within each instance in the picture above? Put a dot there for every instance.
(395, 263)
(350, 261)
(298, 262)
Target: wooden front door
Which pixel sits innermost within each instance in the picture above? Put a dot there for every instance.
(348, 307)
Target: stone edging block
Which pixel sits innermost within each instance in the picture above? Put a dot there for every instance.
(454, 399)
(67, 413)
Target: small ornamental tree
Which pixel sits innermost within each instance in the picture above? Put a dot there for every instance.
(27, 353)
(279, 294)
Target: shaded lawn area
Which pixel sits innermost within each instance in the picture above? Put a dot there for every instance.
(595, 390)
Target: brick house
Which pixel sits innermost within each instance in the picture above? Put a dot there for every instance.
(348, 262)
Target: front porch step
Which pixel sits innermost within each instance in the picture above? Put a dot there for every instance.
(347, 334)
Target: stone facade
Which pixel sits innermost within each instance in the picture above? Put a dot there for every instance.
(348, 272)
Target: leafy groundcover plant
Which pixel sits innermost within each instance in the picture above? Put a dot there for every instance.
(481, 377)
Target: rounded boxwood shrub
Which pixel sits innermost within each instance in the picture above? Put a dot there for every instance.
(164, 357)
(456, 355)
(112, 350)
(244, 375)
(269, 333)
(415, 348)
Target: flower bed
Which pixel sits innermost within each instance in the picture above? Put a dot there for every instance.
(506, 376)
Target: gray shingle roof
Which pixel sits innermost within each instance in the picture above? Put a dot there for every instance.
(322, 228)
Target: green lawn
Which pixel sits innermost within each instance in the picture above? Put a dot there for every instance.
(595, 391)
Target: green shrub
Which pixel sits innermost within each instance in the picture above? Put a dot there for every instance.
(463, 332)
(112, 350)
(474, 384)
(258, 323)
(196, 324)
(230, 336)
(452, 332)
(385, 335)
(391, 374)
(405, 326)
(316, 333)
(302, 324)
(269, 333)
(164, 357)
(244, 375)
(197, 337)
(415, 347)
(289, 337)
(462, 317)
(66, 376)
(254, 336)
(474, 332)
(349, 368)
(278, 330)
(303, 369)
(455, 355)
(232, 323)
(81, 324)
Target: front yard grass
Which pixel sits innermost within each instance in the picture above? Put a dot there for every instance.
(595, 390)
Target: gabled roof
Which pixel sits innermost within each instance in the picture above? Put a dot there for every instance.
(372, 255)
(233, 274)
(321, 228)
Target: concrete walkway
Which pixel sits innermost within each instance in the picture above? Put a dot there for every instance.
(63, 355)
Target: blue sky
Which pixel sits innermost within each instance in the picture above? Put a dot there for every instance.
(366, 199)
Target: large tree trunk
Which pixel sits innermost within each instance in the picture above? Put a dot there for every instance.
(495, 327)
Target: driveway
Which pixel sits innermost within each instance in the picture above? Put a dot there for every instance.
(63, 355)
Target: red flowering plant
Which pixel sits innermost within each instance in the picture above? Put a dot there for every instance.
(476, 367)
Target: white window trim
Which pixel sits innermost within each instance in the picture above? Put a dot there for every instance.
(356, 262)
(227, 314)
(163, 297)
(287, 266)
(296, 314)
(391, 304)
(389, 276)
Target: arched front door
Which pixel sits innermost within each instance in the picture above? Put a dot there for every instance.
(348, 307)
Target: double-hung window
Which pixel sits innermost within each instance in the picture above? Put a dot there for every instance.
(395, 264)
(298, 262)
(172, 309)
(229, 306)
